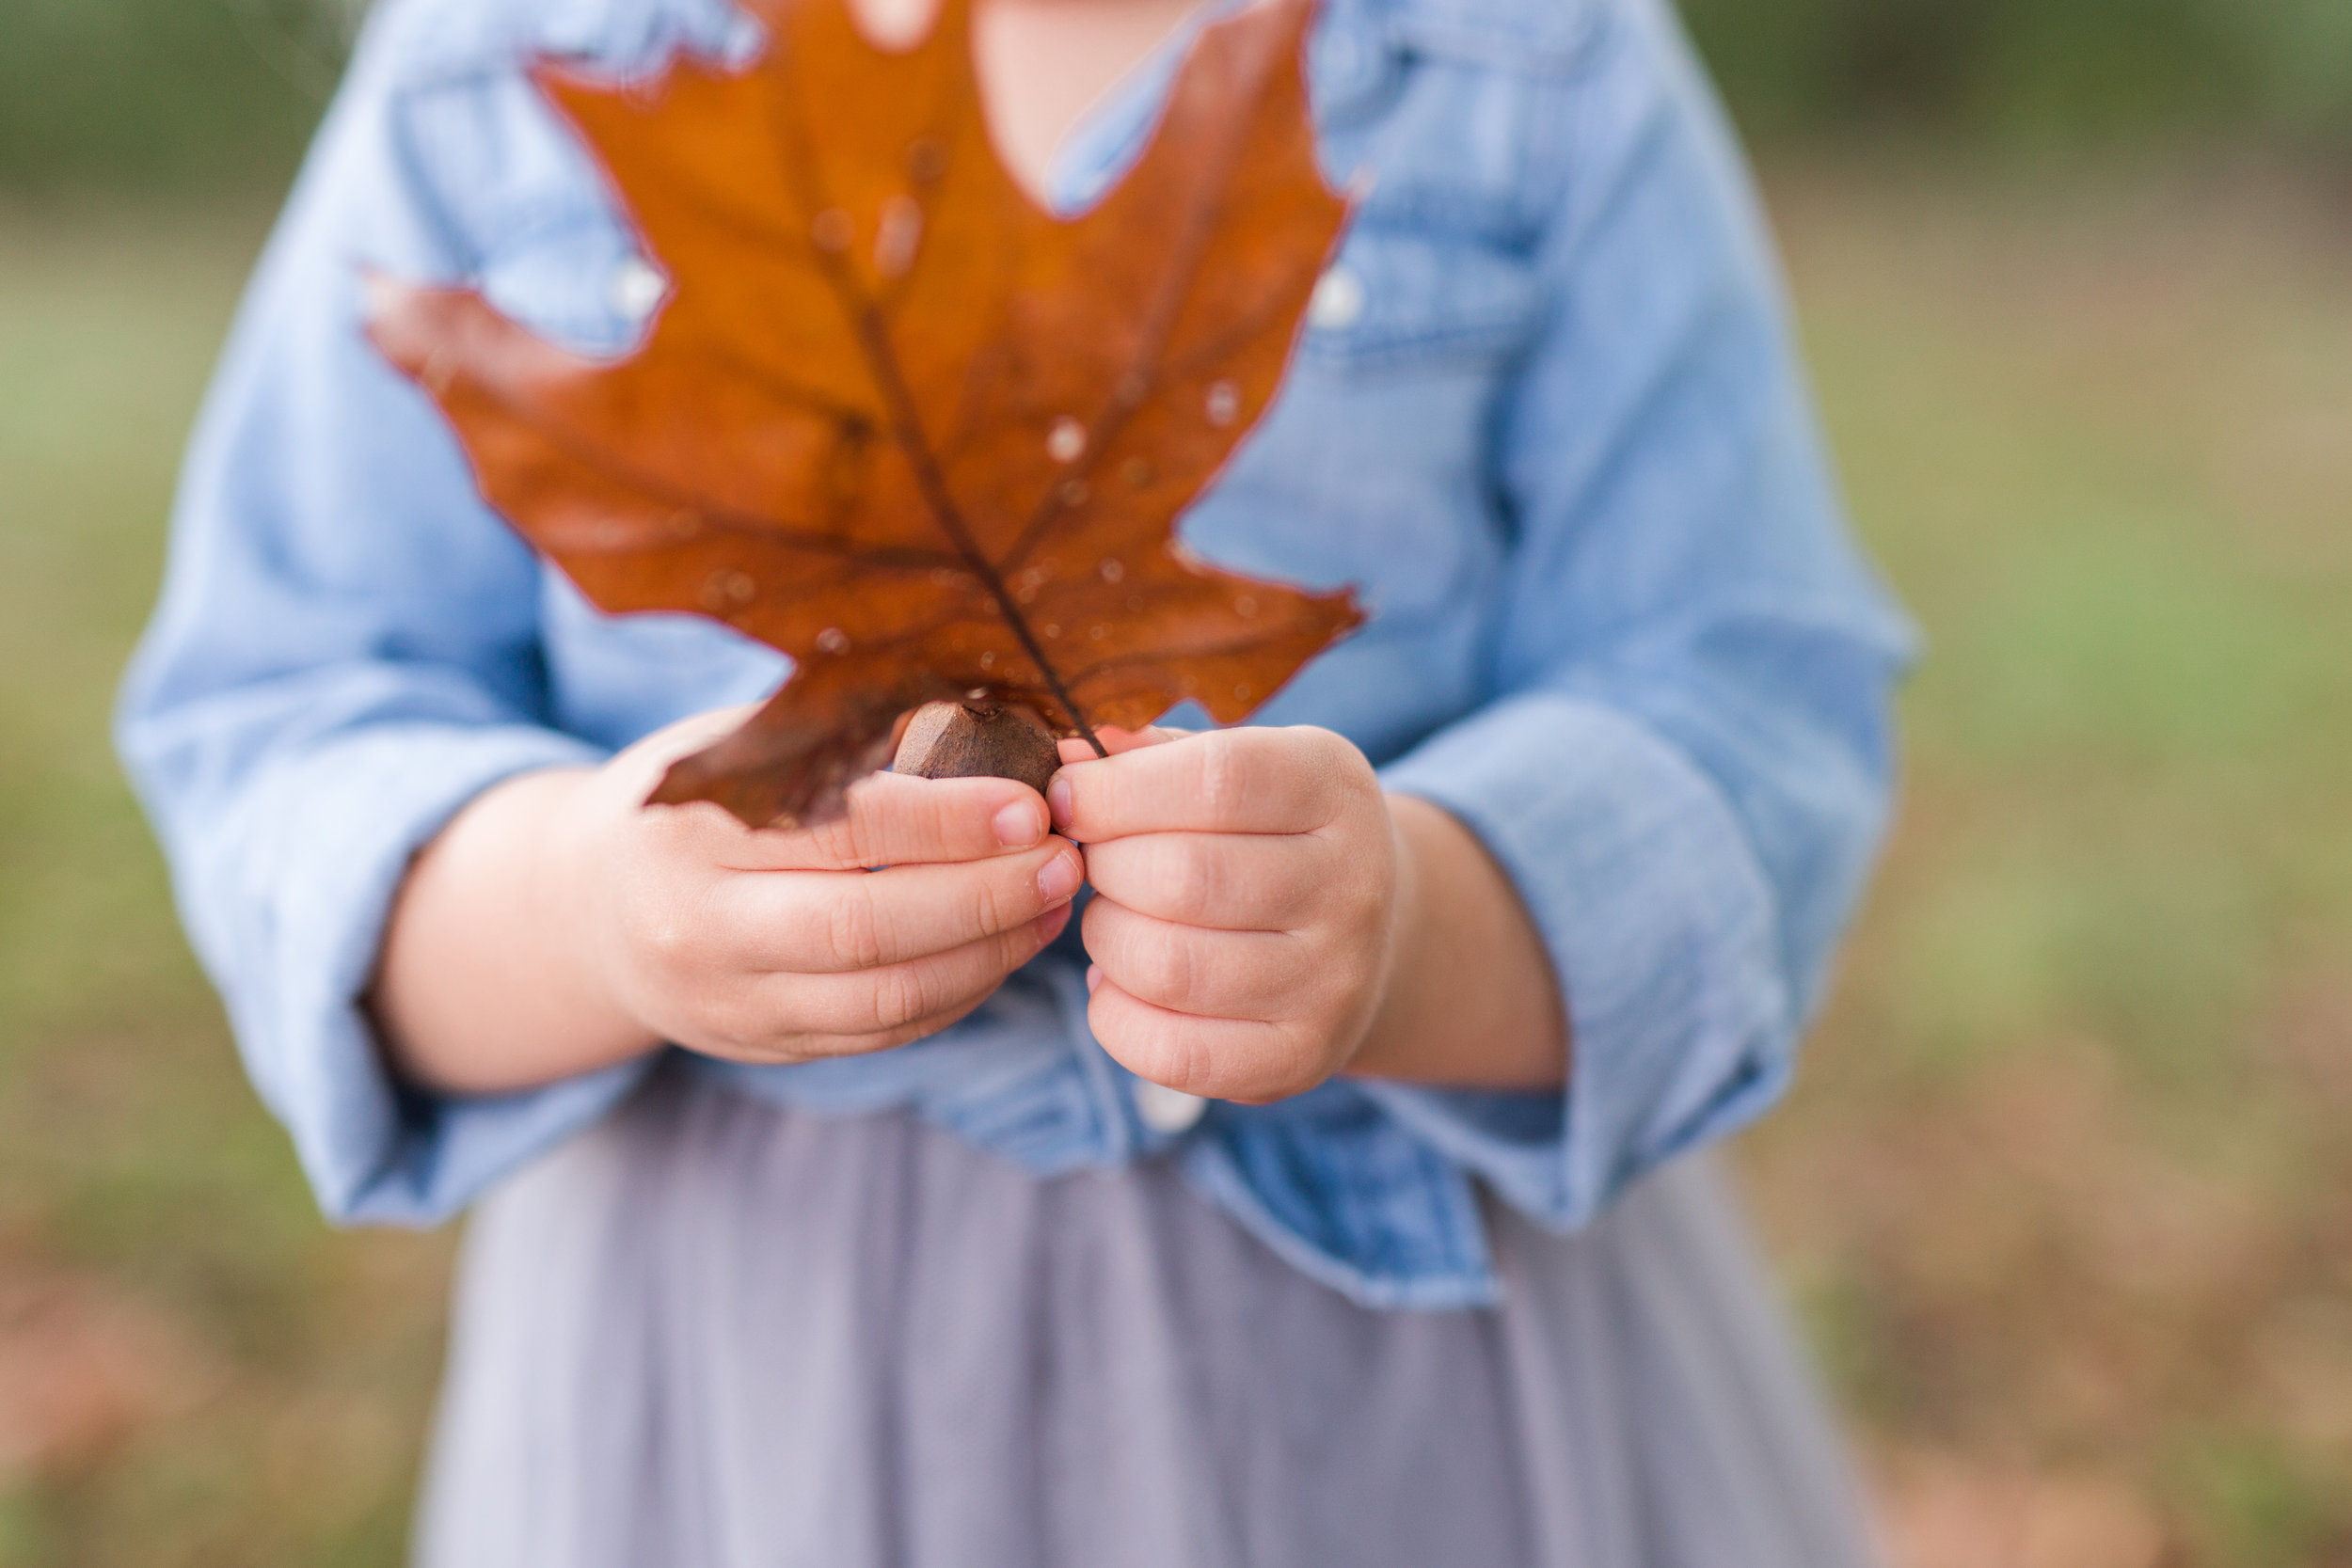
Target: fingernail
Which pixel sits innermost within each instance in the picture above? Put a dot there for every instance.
(1017, 826)
(1094, 978)
(1057, 879)
(1058, 798)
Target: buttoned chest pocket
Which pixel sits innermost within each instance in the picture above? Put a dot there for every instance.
(1407, 300)
(1456, 146)
(1377, 468)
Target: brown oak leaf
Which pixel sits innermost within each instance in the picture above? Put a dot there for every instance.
(893, 418)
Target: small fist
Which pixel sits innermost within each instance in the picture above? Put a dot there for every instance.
(1245, 911)
(780, 945)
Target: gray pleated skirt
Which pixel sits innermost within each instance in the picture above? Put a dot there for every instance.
(715, 1333)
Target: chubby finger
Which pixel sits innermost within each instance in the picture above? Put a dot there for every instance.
(1217, 1058)
(1116, 741)
(842, 921)
(1230, 881)
(1244, 781)
(888, 818)
(817, 1048)
(769, 1045)
(1189, 969)
(895, 819)
(897, 997)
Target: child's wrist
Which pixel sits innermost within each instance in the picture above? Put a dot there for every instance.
(1401, 942)
(568, 860)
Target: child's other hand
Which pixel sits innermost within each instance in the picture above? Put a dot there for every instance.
(780, 945)
(1247, 881)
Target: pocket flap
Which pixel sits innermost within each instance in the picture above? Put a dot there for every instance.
(1541, 36)
(1402, 297)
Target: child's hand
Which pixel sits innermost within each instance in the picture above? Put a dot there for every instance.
(1255, 886)
(1248, 883)
(779, 945)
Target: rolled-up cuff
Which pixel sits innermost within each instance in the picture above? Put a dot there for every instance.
(1661, 930)
(326, 845)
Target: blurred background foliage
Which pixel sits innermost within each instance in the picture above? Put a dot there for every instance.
(2035, 72)
(147, 92)
(141, 94)
(2065, 1190)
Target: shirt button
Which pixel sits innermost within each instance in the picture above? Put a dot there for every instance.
(1338, 300)
(1167, 1111)
(635, 289)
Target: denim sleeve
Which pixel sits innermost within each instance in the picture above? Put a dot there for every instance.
(1686, 766)
(346, 652)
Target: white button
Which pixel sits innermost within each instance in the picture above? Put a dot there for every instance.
(635, 288)
(1167, 1111)
(1338, 300)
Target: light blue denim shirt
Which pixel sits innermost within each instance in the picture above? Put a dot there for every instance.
(1545, 417)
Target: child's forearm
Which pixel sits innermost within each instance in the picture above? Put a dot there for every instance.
(1472, 999)
(481, 988)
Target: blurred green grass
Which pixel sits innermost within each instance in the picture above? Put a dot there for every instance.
(2065, 1192)
(2068, 1186)
(151, 1222)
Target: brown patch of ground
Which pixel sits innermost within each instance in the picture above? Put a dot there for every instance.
(85, 1369)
